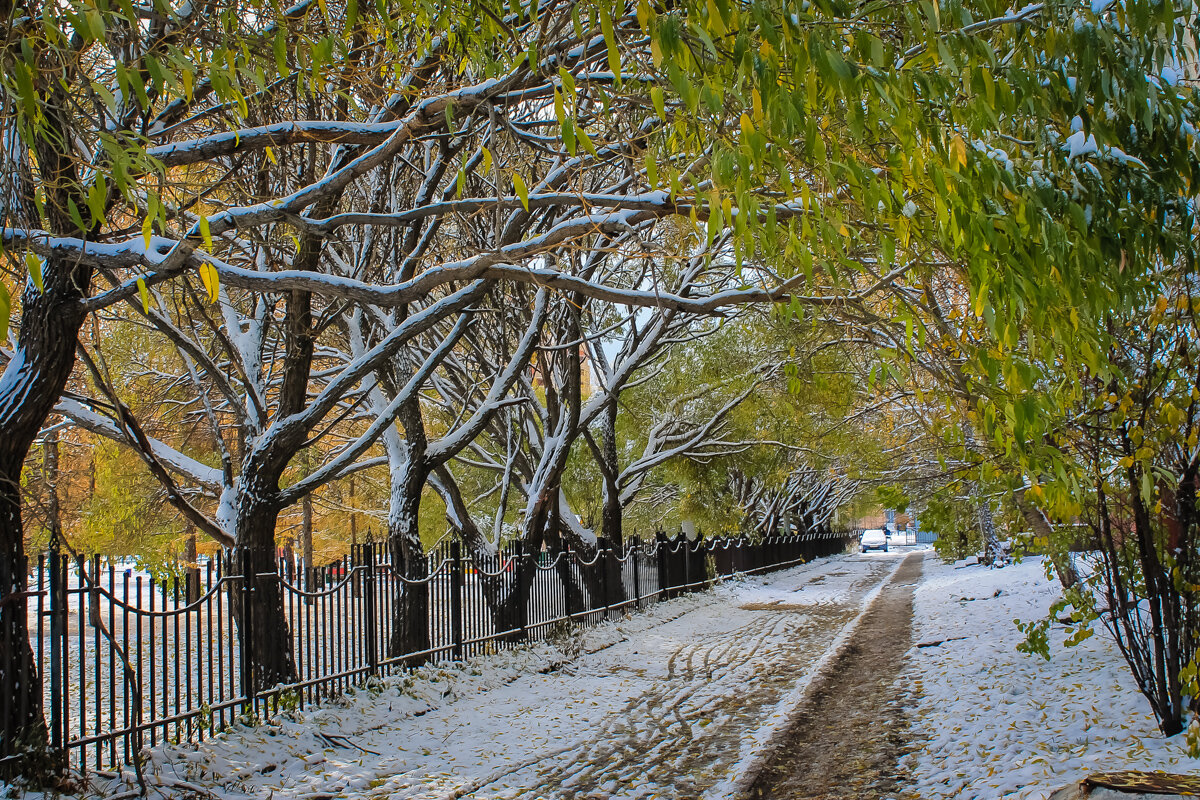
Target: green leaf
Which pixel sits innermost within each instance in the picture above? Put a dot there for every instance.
(95, 199)
(25, 89)
(660, 107)
(280, 47)
(559, 112)
(586, 141)
(565, 121)
(651, 170)
(521, 189)
(568, 81)
(889, 251)
(568, 134)
(76, 217)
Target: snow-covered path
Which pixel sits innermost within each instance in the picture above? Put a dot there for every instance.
(667, 704)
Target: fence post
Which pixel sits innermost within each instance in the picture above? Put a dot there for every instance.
(456, 599)
(372, 632)
(687, 560)
(664, 566)
(636, 556)
(522, 605)
(246, 629)
(58, 652)
(610, 564)
(705, 552)
(567, 555)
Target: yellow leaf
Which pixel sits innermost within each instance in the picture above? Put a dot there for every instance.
(521, 189)
(144, 293)
(34, 265)
(643, 15)
(5, 310)
(614, 55)
(212, 282)
(747, 125)
(958, 152)
(204, 232)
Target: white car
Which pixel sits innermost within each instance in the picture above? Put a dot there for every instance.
(874, 539)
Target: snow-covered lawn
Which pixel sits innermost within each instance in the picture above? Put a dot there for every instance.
(661, 704)
(992, 722)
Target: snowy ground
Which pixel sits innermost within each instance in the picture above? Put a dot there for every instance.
(997, 723)
(663, 704)
(679, 702)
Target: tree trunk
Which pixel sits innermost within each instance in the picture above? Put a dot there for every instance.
(306, 540)
(993, 553)
(1160, 597)
(410, 629)
(611, 523)
(50, 478)
(514, 611)
(192, 570)
(353, 516)
(572, 591)
(29, 388)
(1038, 523)
(22, 727)
(262, 623)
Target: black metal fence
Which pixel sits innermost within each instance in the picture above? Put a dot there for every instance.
(128, 661)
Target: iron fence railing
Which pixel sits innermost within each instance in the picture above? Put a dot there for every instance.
(128, 661)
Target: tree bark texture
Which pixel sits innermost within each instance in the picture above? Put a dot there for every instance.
(266, 638)
(410, 629)
(1037, 522)
(29, 387)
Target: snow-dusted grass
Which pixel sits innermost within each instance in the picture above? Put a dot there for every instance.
(997, 723)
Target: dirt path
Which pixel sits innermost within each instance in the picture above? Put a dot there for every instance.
(850, 732)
